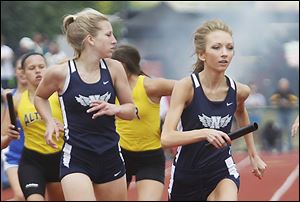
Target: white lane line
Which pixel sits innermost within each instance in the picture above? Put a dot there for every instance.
(286, 185)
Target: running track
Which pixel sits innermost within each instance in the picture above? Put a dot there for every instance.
(280, 183)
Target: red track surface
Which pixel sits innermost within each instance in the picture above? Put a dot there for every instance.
(280, 167)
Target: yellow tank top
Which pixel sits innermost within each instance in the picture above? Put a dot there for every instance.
(143, 133)
(33, 126)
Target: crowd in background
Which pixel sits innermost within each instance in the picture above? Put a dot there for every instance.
(38, 43)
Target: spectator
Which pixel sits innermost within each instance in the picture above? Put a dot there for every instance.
(285, 101)
(26, 45)
(254, 103)
(54, 54)
(7, 69)
(39, 43)
(271, 137)
(295, 126)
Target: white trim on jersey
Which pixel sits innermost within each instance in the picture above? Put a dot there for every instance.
(67, 81)
(72, 65)
(120, 153)
(63, 110)
(196, 82)
(103, 66)
(171, 181)
(231, 83)
(173, 171)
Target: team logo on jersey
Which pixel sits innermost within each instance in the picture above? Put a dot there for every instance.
(31, 117)
(86, 101)
(214, 121)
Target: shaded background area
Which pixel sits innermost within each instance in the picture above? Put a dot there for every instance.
(266, 34)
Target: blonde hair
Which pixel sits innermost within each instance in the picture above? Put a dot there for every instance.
(200, 39)
(77, 27)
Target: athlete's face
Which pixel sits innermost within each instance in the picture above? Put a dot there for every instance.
(105, 41)
(34, 68)
(219, 50)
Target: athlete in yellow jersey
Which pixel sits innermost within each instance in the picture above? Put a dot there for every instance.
(34, 127)
(39, 163)
(140, 138)
(135, 134)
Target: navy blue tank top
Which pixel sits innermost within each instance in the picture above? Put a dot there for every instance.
(81, 131)
(204, 113)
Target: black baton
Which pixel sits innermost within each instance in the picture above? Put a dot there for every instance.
(11, 109)
(240, 132)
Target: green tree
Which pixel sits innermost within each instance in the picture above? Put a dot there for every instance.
(24, 18)
(111, 7)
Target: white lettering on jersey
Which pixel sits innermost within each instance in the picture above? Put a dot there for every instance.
(67, 154)
(231, 167)
(214, 121)
(86, 101)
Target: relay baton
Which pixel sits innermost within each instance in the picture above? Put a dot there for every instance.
(11, 109)
(240, 132)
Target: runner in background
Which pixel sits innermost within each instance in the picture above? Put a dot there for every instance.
(38, 170)
(12, 153)
(140, 137)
